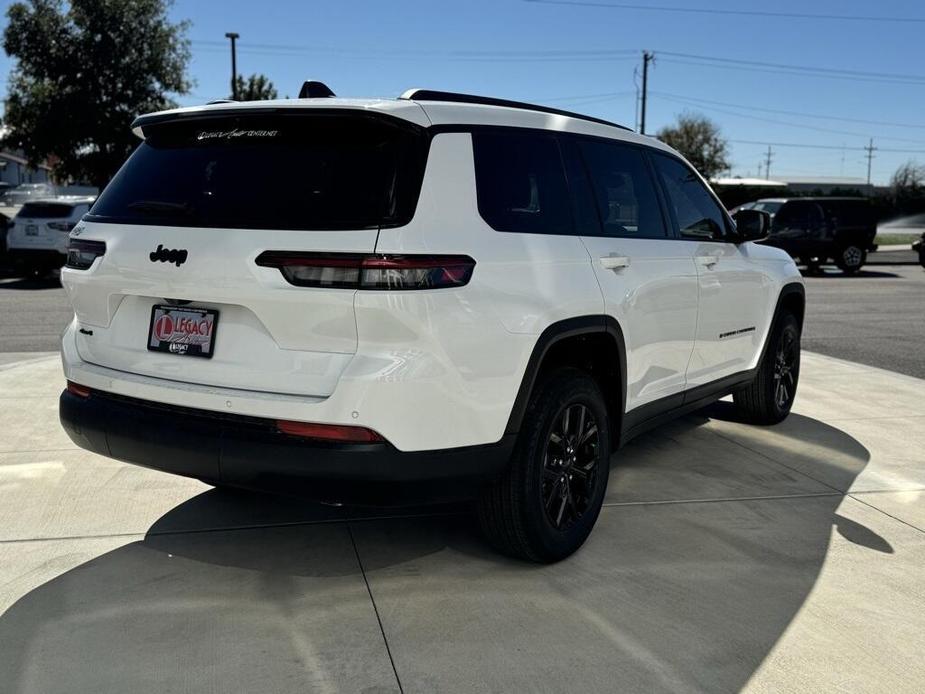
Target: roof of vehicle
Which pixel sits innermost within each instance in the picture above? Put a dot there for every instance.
(424, 108)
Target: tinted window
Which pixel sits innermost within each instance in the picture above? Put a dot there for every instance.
(696, 213)
(45, 210)
(520, 182)
(584, 205)
(849, 212)
(625, 193)
(799, 215)
(285, 171)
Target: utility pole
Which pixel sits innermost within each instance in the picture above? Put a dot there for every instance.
(234, 64)
(647, 58)
(870, 157)
(767, 165)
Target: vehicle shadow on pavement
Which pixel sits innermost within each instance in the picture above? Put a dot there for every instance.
(838, 274)
(240, 592)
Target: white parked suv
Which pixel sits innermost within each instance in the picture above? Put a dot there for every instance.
(325, 294)
(39, 233)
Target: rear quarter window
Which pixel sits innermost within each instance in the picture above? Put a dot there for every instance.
(323, 171)
(521, 183)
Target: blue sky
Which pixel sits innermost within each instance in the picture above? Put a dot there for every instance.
(581, 56)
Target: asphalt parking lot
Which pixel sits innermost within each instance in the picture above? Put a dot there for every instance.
(727, 558)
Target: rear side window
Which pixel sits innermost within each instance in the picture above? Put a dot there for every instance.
(521, 183)
(697, 214)
(283, 171)
(799, 215)
(45, 210)
(850, 212)
(624, 190)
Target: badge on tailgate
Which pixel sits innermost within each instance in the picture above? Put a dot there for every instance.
(182, 330)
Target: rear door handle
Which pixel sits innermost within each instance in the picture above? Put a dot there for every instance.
(707, 260)
(615, 262)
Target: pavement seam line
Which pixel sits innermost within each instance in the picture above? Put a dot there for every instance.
(235, 528)
(107, 536)
(777, 462)
(369, 590)
(888, 515)
(668, 502)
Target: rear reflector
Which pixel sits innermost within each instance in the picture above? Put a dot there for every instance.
(328, 432)
(78, 390)
(382, 272)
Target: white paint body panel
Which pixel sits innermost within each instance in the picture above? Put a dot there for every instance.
(652, 293)
(428, 369)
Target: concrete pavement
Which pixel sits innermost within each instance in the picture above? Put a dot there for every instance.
(728, 557)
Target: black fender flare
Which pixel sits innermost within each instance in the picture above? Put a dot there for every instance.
(554, 333)
(788, 290)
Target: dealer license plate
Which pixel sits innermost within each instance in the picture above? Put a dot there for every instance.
(182, 330)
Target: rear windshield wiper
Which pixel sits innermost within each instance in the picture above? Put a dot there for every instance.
(161, 207)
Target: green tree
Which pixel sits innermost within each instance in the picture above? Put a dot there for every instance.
(83, 71)
(700, 141)
(255, 88)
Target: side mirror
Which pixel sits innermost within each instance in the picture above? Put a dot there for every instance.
(752, 225)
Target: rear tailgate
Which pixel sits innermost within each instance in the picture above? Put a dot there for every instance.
(187, 216)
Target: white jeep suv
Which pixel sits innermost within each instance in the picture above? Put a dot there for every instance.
(39, 233)
(320, 293)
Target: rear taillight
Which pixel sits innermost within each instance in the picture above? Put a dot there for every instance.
(354, 271)
(81, 253)
(62, 226)
(329, 432)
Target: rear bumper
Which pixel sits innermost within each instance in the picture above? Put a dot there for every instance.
(249, 452)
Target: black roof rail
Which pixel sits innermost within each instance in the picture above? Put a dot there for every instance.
(454, 97)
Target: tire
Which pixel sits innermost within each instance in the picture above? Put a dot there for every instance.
(769, 397)
(812, 264)
(850, 259)
(542, 508)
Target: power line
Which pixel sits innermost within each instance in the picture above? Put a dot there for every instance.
(798, 68)
(807, 145)
(543, 54)
(776, 121)
(862, 121)
(745, 13)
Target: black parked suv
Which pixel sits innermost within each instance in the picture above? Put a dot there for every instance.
(815, 230)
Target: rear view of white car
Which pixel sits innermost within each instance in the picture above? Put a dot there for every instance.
(38, 236)
(324, 296)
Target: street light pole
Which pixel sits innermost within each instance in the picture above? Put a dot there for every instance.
(234, 64)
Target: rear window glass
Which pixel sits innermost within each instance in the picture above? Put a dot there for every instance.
(285, 171)
(45, 210)
(521, 183)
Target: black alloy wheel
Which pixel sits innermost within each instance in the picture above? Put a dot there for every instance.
(570, 466)
(785, 365)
